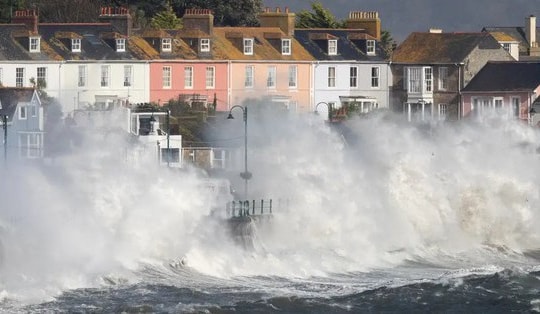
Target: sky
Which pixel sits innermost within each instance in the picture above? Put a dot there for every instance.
(402, 17)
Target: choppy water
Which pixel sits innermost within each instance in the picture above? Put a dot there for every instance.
(391, 217)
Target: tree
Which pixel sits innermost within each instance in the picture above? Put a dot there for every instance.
(388, 44)
(319, 17)
(166, 19)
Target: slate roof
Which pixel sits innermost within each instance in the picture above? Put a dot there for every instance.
(518, 33)
(436, 48)
(11, 96)
(148, 41)
(506, 76)
(97, 41)
(14, 45)
(351, 44)
(228, 44)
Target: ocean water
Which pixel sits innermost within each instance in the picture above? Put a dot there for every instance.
(383, 216)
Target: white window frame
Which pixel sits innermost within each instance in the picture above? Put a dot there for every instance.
(205, 44)
(428, 80)
(249, 81)
(286, 46)
(75, 45)
(20, 77)
(105, 76)
(41, 74)
(23, 112)
(82, 76)
(271, 77)
(30, 145)
(166, 44)
(443, 78)
(120, 44)
(370, 47)
(353, 76)
(332, 47)
(188, 77)
(166, 77)
(210, 77)
(33, 110)
(375, 77)
(34, 44)
(516, 106)
(331, 76)
(128, 75)
(443, 111)
(248, 46)
(293, 76)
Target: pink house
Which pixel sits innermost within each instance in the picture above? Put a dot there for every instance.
(505, 88)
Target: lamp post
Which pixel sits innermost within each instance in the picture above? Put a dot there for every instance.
(246, 175)
(328, 106)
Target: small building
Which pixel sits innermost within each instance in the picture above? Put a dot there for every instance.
(22, 123)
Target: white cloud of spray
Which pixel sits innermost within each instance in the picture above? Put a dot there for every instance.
(393, 191)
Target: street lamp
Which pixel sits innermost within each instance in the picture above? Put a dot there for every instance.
(246, 175)
(328, 106)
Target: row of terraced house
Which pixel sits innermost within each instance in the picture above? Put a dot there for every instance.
(431, 76)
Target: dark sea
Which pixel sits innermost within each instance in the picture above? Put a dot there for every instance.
(381, 216)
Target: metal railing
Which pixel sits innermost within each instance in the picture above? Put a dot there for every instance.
(249, 208)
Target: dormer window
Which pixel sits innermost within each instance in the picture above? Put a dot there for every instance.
(166, 44)
(248, 46)
(205, 44)
(370, 47)
(76, 45)
(34, 44)
(120, 44)
(286, 47)
(332, 47)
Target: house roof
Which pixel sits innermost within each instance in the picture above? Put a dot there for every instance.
(14, 43)
(495, 76)
(10, 97)
(518, 33)
(228, 44)
(97, 41)
(351, 43)
(429, 48)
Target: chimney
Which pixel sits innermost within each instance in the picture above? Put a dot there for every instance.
(26, 17)
(119, 18)
(531, 31)
(284, 20)
(365, 20)
(201, 19)
(435, 31)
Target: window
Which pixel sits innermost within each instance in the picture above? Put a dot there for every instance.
(443, 78)
(127, 75)
(515, 107)
(248, 82)
(76, 45)
(210, 77)
(170, 155)
(370, 47)
(19, 77)
(82, 75)
(498, 103)
(220, 157)
(271, 80)
(506, 46)
(428, 78)
(120, 44)
(22, 113)
(188, 77)
(248, 46)
(293, 70)
(414, 75)
(33, 110)
(166, 44)
(286, 47)
(375, 77)
(353, 77)
(30, 145)
(166, 77)
(34, 44)
(331, 77)
(332, 47)
(205, 44)
(41, 77)
(105, 76)
(443, 109)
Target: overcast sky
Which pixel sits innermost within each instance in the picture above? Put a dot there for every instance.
(402, 17)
